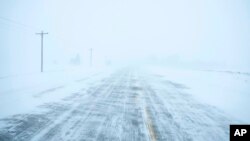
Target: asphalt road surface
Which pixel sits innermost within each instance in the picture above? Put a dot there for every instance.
(127, 105)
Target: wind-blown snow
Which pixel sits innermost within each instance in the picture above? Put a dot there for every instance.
(147, 103)
(21, 93)
(190, 69)
(224, 89)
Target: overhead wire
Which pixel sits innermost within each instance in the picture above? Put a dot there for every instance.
(26, 26)
(17, 23)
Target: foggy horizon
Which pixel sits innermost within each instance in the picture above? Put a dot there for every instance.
(193, 34)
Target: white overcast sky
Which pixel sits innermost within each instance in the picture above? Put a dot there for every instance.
(198, 32)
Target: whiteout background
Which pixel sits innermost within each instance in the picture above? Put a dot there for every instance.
(189, 36)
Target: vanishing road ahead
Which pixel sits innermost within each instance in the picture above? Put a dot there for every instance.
(126, 105)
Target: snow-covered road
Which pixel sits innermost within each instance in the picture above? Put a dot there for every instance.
(127, 105)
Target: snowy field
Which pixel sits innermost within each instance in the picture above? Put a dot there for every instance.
(227, 90)
(123, 104)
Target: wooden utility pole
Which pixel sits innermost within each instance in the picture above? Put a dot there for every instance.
(42, 34)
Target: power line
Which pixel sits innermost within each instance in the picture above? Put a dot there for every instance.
(25, 25)
(17, 23)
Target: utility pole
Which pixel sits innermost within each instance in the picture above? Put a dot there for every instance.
(90, 61)
(42, 34)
